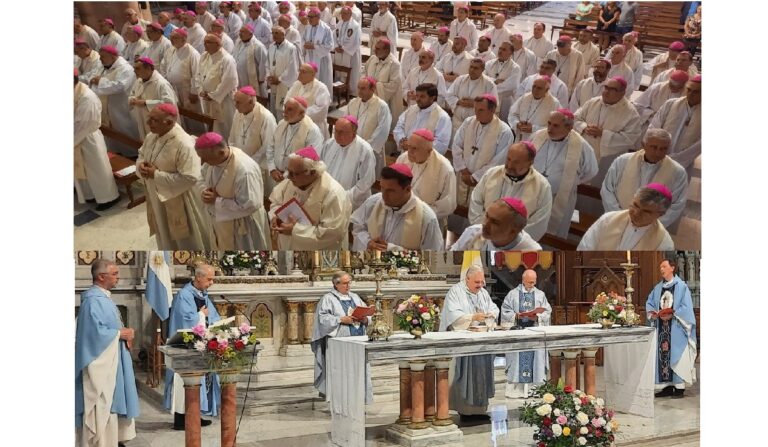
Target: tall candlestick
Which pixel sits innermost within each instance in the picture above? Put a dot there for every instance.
(629, 258)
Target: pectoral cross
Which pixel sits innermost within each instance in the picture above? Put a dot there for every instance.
(474, 149)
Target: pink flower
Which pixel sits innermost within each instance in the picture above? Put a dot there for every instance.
(198, 330)
(562, 419)
(401, 308)
(245, 328)
(223, 344)
(415, 321)
(598, 411)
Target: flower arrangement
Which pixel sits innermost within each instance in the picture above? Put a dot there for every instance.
(417, 315)
(406, 258)
(242, 259)
(567, 417)
(223, 346)
(608, 307)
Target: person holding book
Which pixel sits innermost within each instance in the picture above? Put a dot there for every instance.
(191, 306)
(339, 313)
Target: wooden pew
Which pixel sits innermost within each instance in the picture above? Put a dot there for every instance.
(193, 115)
(117, 162)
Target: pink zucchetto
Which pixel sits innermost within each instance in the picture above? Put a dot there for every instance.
(190, 13)
(110, 49)
(418, 34)
(677, 46)
(181, 31)
(208, 140)
(346, 9)
(371, 80)
(486, 37)
(490, 98)
(249, 27)
(80, 41)
(517, 205)
(386, 42)
(464, 8)
(564, 38)
(168, 108)
(302, 101)
(178, 11)
(156, 26)
(137, 29)
(302, 13)
(660, 188)
(402, 168)
(678, 76)
(620, 80)
(219, 22)
(444, 29)
(696, 78)
(146, 60)
(77, 72)
(109, 22)
(544, 77)
(565, 112)
(248, 90)
(288, 4)
(352, 119)
(314, 10)
(313, 65)
(425, 133)
(531, 148)
(517, 36)
(308, 152)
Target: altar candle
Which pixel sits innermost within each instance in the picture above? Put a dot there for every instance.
(347, 262)
(377, 254)
(317, 258)
(629, 259)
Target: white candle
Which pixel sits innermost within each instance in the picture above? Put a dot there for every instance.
(629, 258)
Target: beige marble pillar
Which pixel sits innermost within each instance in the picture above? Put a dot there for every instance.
(441, 417)
(405, 394)
(589, 370)
(417, 395)
(192, 411)
(293, 322)
(555, 368)
(239, 309)
(308, 309)
(571, 366)
(222, 309)
(429, 392)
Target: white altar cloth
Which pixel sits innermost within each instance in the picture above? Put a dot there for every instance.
(629, 364)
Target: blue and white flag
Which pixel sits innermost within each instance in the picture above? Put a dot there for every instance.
(159, 290)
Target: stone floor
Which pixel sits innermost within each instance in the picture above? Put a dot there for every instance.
(119, 228)
(676, 423)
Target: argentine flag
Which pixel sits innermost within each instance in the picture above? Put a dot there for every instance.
(159, 290)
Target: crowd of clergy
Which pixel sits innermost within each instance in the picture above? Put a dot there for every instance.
(482, 135)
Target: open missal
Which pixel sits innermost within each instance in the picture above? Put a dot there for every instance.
(293, 209)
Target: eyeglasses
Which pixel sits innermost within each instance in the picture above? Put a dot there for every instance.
(290, 174)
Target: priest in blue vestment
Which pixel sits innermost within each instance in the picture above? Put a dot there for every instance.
(191, 307)
(106, 401)
(670, 309)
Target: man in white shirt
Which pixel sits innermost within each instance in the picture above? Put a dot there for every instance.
(283, 64)
(217, 29)
(498, 32)
(681, 117)
(426, 113)
(350, 160)
(650, 101)
(538, 43)
(215, 81)
(506, 75)
(619, 67)
(347, 51)
(251, 58)
(195, 32)
(531, 111)
(570, 62)
(636, 228)
(424, 73)
(483, 50)
(410, 58)
(590, 52)
(590, 87)
(523, 57)
(384, 25)
(86, 33)
(633, 58)
(684, 62)
(317, 95)
(262, 27)
(460, 97)
(443, 45)
(455, 63)
(373, 117)
(648, 165)
(295, 131)
(318, 43)
(384, 67)
(204, 17)
(253, 130)
(461, 26)
(557, 88)
(232, 21)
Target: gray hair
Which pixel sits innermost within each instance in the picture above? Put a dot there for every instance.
(311, 165)
(474, 269)
(659, 134)
(338, 276)
(99, 266)
(651, 196)
(278, 28)
(518, 220)
(567, 120)
(202, 269)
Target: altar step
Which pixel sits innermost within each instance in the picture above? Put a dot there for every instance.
(292, 389)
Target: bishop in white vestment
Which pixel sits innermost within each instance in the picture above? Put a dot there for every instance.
(463, 91)
(570, 62)
(253, 130)
(347, 51)
(295, 131)
(531, 111)
(426, 113)
(681, 117)
(590, 87)
(538, 43)
(423, 73)
(215, 82)
(373, 118)
(318, 44)
(462, 26)
(149, 90)
(315, 93)
(506, 75)
(251, 61)
(179, 68)
(385, 69)
(455, 63)
(502, 229)
(158, 44)
(283, 61)
(523, 57)
(384, 25)
(557, 88)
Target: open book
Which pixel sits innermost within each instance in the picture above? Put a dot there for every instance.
(361, 312)
(293, 209)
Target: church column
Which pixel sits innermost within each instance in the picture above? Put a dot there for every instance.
(570, 366)
(239, 309)
(442, 418)
(222, 309)
(192, 410)
(417, 395)
(228, 409)
(308, 307)
(589, 370)
(429, 391)
(293, 322)
(555, 369)
(405, 394)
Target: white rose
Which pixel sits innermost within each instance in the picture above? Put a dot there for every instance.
(583, 430)
(601, 421)
(235, 332)
(556, 412)
(544, 410)
(607, 428)
(623, 314)
(576, 401)
(577, 407)
(610, 306)
(599, 402)
(582, 440)
(582, 418)
(557, 430)
(426, 316)
(244, 339)
(549, 398)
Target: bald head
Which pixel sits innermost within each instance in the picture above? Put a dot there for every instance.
(344, 132)
(540, 87)
(419, 149)
(529, 279)
(498, 21)
(519, 160)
